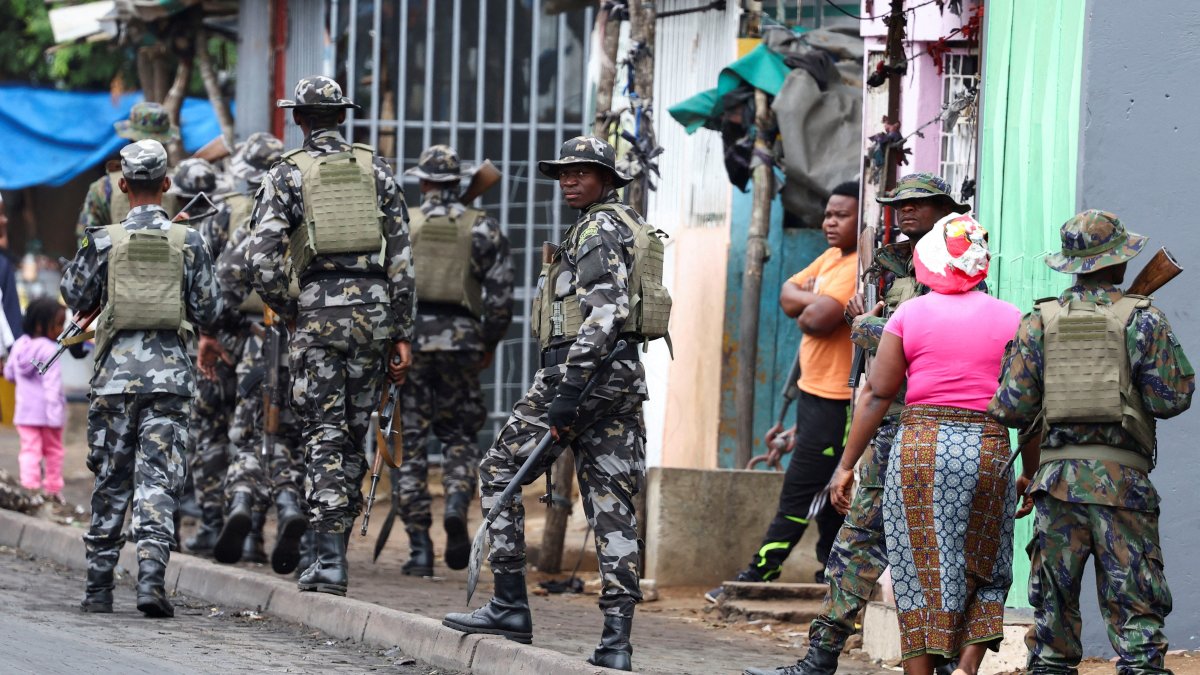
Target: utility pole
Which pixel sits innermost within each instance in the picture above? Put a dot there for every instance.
(642, 16)
(608, 76)
(895, 57)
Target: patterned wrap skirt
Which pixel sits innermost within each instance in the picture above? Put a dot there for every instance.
(948, 522)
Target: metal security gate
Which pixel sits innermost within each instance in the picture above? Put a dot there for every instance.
(496, 79)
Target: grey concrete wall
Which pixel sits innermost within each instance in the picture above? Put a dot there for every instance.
(1139, 152)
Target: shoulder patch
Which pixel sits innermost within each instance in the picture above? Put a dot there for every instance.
(592, 229)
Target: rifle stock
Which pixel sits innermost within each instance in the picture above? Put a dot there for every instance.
(75, 329)
(486, 176)
(1161, 269)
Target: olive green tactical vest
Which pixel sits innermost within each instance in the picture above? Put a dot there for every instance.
(145, 283)
(118, 202)
(341, 212)
(442, 259)
(649, 301)
(1087, 377)
(902, 289)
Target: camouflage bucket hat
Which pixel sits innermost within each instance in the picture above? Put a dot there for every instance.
(147, 121)
(254, 156)
(585, 150)
(144, 160)
(192, 177)
(1093, 240)
(919, 186)
(317, 91)
(439, 163)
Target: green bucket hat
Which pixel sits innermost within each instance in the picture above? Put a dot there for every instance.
(440, 164)
(255, 156)
(318, 91)
(920, 186)
(147, 121)
(585, 150)
(1093, 240)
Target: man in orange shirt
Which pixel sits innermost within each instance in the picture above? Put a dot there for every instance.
(816, 297)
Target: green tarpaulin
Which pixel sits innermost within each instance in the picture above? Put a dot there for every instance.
(761, 68)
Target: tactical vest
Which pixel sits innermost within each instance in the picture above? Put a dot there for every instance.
(442, 253)
(1088, 378)
(341, 212)
(902, 289)
(145, 283)
(241, 206)
(557, 321)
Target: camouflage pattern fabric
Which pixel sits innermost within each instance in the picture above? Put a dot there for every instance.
(147, 120)
(317, 91)
(345, 322)
(585, 150)
(210, 453)
(193, 176)
(491, 264)
(139, 361)
(1093, 240)
(254, 156)
(438, 163)
(441, 399)
(922, 185)
(859, 555)
(1134, 597)
(610, 461)
(135, 449)
(1091, 507)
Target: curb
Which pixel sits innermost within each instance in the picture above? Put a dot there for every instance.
(417, 636)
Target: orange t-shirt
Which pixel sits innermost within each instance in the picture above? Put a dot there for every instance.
(825, 360)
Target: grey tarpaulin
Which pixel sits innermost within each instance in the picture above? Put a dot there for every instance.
(819, 114)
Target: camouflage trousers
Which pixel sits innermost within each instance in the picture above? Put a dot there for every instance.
(135, 449)
(442, 399)
(1131, 586)
(859, 555)
(209, 454)
(608, 441)
(248, 472)
(335, 388)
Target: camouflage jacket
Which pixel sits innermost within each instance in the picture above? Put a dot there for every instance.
(491, 264)
(143, 362)
(215, 229)
(1163, 375)
(890, 263)
(597, 254)
(362, 298)
(232, 326)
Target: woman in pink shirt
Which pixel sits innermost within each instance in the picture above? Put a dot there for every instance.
(948, 511)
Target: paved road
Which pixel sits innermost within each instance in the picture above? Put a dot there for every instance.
(42, 631)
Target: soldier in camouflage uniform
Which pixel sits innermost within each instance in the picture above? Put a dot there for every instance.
(249, 484)
(208, 451)
(858, 555)
(147, 121)
(465, 291)
(1092, 490)
(143, 382)
(354, 312)
(591, 274)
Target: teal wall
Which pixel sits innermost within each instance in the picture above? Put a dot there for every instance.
(778, 338)
(1028, 158)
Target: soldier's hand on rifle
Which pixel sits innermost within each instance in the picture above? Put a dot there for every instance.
(207, 353)
(855, 307)
(563, 411)
(1026, 506)
(400, 361)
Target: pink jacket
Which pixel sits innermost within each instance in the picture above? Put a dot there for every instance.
(40, 400)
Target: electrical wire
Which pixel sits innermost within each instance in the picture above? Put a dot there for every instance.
(877, 16)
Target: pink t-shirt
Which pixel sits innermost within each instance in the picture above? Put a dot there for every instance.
(954, 345)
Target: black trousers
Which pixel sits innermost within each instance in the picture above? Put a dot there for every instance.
(822, 425)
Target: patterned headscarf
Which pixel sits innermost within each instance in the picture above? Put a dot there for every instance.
(953, 257)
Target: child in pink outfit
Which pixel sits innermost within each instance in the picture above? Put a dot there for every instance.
(41, 406)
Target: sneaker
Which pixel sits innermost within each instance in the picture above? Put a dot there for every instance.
(714, 596)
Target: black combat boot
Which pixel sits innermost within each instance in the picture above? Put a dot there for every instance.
(211, 520)
(308, 552)
(98, 592)
(458, 543)
(152, 590)
(328, 573)
(188, 506)
(507, 614)
(420, 553)
(238, 521)
(614, 650)
(290, 527)
(816, 662)
(252, 548)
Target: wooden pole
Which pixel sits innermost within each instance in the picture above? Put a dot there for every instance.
(642, 17)
(895, 55)
(608, 75)
(213, 88)
(756, 254)
(174, 104)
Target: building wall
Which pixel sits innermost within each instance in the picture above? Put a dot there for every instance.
(1137, 158)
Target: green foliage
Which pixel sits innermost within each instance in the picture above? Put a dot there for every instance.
(25, 36)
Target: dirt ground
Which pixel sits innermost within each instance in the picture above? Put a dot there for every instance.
(676, 633)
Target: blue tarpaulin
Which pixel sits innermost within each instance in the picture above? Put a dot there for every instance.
(48, 137)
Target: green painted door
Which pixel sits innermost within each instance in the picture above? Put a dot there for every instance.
(1029, 142)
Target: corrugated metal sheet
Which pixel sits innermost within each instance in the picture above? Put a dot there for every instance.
(253, 90)
(305, 52)
(1028, 157)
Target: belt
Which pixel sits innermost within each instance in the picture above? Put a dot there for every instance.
(1097, 452)
(444, 309)
(556, 356)
(340, 275)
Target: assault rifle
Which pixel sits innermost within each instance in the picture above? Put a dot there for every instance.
(272, 392)
(74, 333)
(1161, 269)
(387, 418)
